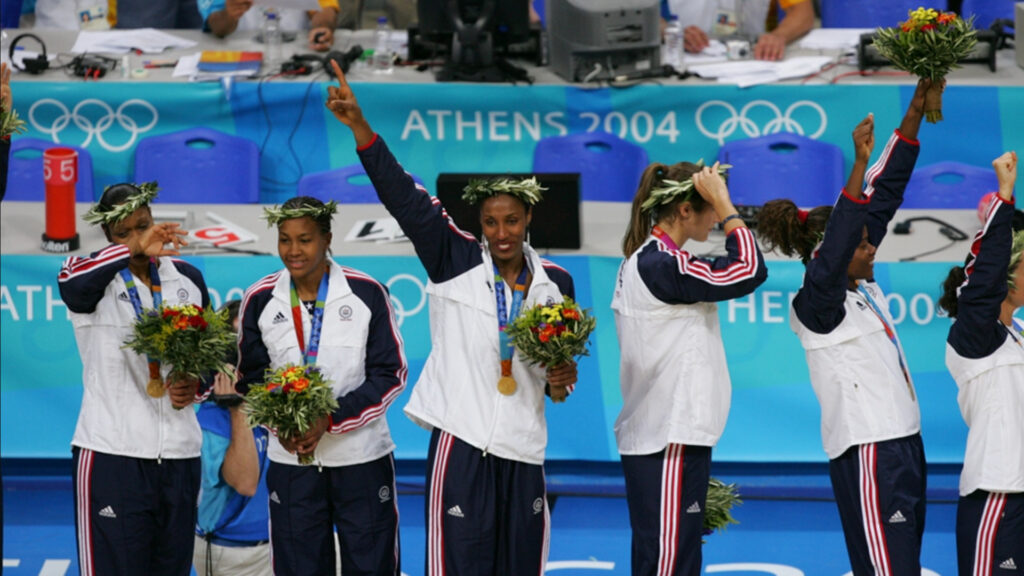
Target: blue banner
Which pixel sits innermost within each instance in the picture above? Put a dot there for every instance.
(774, 418)
(434, 128)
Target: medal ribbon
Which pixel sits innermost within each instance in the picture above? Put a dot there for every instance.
(158, 299)
(506, 316)
(888, 332)
(664, 237)
(316, 323)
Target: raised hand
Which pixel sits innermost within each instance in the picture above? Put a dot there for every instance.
(152, 242)
(341, 101)
(711, 187)
(864, 139)
(1006, 173)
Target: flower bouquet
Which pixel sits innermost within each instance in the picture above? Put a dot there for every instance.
(552, 335)
(290, 400)
(718, 507)
(928, 45)
(185, 337)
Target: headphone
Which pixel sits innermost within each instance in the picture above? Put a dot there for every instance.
(36, 65)
(302, 64)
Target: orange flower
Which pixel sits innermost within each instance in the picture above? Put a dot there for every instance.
(300, 385)
(947, 17)
(571, 314)
(181, 323)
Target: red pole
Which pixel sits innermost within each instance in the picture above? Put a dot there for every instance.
(60, 173)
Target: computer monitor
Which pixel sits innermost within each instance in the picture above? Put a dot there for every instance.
(473, 30)
(556, 219)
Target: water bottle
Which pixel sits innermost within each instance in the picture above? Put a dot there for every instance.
(672, 53)
(272, 37)
(382, 63)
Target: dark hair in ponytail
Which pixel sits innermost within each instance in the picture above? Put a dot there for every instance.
(780, 226)
(948, 301)
(640, 220)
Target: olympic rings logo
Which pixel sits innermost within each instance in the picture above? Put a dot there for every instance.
(742, 120)
(401, 311)
(96, 127)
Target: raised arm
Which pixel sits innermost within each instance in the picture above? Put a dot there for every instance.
(819, 303)
(976, 332)
(385, 366)
(82, 279)
(444, 249)
(888, 177)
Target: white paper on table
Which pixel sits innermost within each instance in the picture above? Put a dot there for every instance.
(300, 4)
(147, 40)
(833, 38)
(732, 68)
(187, 66)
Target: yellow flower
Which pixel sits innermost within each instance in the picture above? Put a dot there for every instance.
(924, 15)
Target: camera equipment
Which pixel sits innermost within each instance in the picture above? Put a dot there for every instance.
(595, 40)
(92, 66)
(303, 64)
(36, 65)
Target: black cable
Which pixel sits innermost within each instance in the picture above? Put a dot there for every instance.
(916, 256)
(291, 135)
(945, 228)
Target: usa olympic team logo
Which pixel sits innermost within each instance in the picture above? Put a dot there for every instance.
(116, 130)
(718, 119)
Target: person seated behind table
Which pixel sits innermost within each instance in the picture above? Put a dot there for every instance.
(100, 14)
(232, 532)
(704, 19)
(224, 17)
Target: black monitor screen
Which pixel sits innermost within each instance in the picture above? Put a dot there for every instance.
(556, 219)
(509, 19)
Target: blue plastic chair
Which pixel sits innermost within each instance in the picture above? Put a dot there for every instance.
(609, 167)
(986, 11)
(869, 13)
(10, 14)
(347, 185)
(783, 165)
(948, 185)
(201, 166)
(25, 171)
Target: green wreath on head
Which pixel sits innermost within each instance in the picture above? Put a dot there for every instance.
(278, 214)
(107, 216)
(527, 189)
(670, 190)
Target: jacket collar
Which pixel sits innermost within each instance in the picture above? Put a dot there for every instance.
(337, 288)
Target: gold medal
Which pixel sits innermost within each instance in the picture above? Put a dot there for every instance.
(155, 388)
(507, 385)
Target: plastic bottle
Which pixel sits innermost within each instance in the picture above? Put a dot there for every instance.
(382, 63)
(271, 37)
(672, 53)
